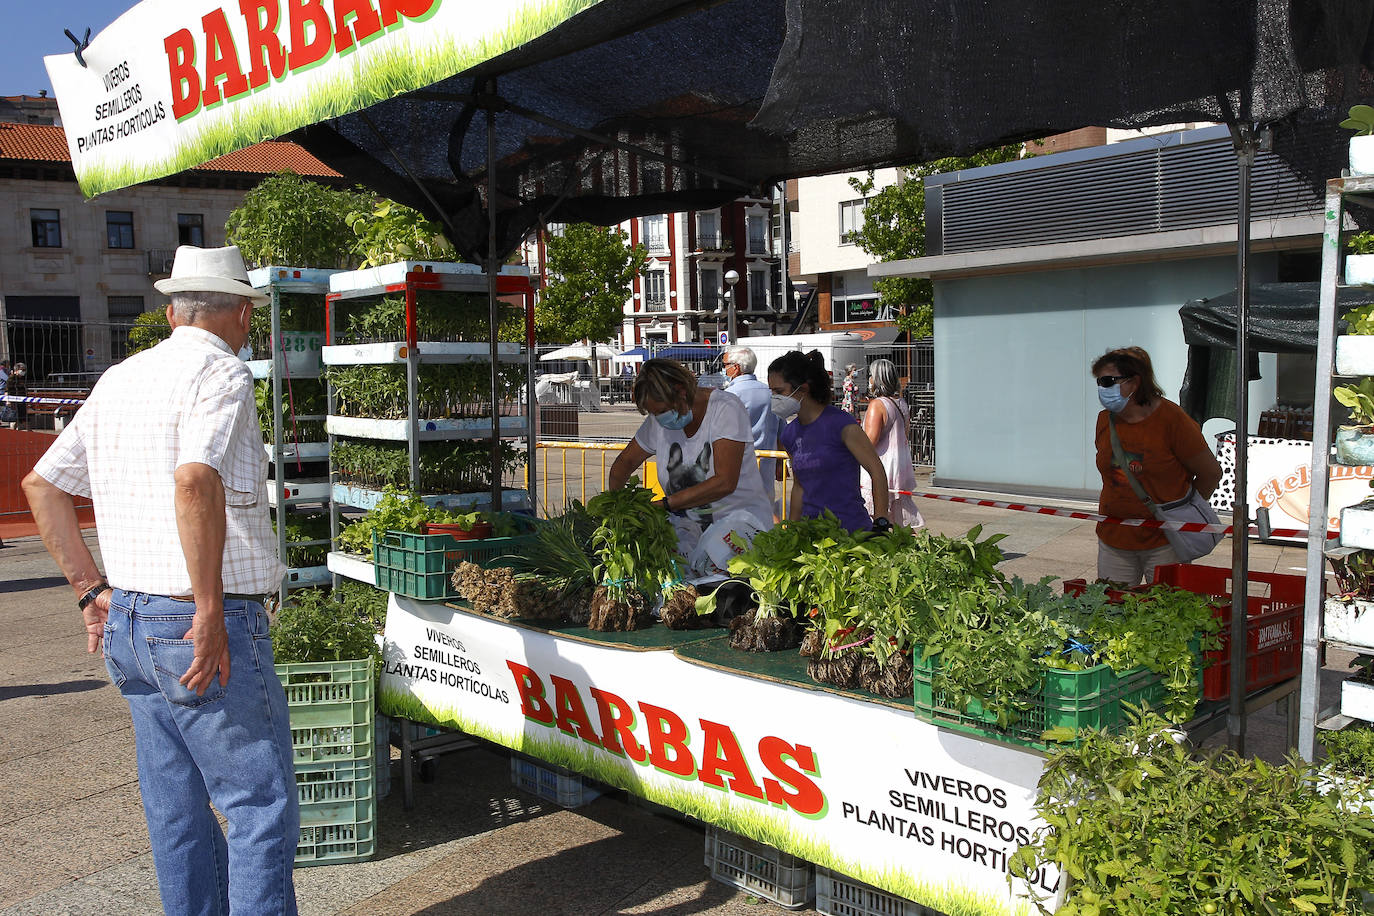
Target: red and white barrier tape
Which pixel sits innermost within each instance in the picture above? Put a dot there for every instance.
(1093, 517)
(17, 399)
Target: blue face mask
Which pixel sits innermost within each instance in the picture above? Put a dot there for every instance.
(1112, 398)
(671, 419)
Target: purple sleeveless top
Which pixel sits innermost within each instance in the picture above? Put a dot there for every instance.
(827, 471)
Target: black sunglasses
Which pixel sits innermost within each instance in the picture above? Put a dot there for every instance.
(1107, 381)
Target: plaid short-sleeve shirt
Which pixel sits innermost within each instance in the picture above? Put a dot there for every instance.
(188, 399)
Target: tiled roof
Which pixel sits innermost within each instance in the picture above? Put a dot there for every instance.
(45, 143)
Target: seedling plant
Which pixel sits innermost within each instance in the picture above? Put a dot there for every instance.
(636, 549)
(1140, 826)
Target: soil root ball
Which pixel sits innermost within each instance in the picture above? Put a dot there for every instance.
(854, 670)
(767, 634)
(610, 615)
(679, 611)
(813, 643)
(576, 605)
(838, 672)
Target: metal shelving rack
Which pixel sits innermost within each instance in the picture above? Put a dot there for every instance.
(1341, 193)
(284, 495)
(412, 279)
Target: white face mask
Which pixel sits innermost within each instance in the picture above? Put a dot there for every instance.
(784, 406)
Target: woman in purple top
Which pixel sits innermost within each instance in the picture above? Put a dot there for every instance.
(827, 446)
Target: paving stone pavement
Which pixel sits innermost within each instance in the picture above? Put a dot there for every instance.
(73, 839)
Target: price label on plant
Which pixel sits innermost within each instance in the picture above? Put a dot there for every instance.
(863, 788)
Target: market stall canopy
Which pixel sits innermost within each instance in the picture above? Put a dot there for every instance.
(634, 354)
(607, 109)
(580, 351)
(1282, 319)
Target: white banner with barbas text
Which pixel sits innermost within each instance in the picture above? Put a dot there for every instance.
(173, 83)
(860, 787)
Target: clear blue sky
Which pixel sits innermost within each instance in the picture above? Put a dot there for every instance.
(38, 32)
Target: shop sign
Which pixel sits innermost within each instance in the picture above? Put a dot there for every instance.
(1280, 479)
(168, 85)
(859, 787)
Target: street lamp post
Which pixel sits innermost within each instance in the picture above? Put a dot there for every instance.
(731, 278)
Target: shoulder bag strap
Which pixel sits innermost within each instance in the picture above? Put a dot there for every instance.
(1120, 455)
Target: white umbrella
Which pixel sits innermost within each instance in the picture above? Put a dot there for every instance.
(580, 351)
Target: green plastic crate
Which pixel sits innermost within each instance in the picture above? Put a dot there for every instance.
(332, 706)
(338, 805)
(421, 565)
(1092, 698)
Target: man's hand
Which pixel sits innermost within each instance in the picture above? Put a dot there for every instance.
(212, 652)
(95, 615)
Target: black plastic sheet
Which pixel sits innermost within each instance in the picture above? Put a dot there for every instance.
(1282, 319)
(741, 94)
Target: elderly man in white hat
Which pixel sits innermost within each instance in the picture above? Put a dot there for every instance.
(168, 449)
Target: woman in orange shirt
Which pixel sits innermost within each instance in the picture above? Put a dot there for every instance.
(1165, 451)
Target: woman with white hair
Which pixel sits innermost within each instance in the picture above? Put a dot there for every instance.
(885, 422)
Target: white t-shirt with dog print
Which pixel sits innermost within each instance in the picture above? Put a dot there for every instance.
(685, 461)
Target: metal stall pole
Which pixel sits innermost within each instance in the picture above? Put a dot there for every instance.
(531, 408)
(1309, 685)
(493, 306)
(278, 348)
(1246, 142)
(412, 385)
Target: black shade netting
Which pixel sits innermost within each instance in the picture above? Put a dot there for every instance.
(1280, 318)
(646, 106)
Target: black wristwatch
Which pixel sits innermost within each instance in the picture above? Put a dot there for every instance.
(881, 525)
(93, 594)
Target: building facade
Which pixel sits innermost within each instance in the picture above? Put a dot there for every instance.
(683, 295)
(92, 263)
(1088, 250)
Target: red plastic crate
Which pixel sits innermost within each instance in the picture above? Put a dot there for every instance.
(1076, 587)
(1273, 630)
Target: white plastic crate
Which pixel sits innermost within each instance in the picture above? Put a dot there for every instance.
(838, 895)
(559, 785)
(758, 869)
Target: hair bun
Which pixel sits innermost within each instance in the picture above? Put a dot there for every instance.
(816, 358)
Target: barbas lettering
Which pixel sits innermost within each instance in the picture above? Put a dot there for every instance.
(665, 742)
(197, 65)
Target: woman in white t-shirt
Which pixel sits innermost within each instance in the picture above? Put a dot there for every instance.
(704, 448)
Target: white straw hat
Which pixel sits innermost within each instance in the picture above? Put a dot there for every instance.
(209, 270)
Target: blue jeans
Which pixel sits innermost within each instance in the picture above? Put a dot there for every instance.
(231, 746)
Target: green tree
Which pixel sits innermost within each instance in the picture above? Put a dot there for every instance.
(291, 221)
(894, 229)
(591, 270)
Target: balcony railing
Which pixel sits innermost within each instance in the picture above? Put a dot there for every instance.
(714, 241)
(655, 304)
(160, 261)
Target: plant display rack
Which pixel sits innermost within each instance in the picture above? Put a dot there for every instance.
(1342, 195)
(286, 364)
(412, 280)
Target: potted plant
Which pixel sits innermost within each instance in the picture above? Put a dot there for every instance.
(1355, 442)
(1355, 348)
(1349, 763)
(1361, 121)
(1349, 616)
(1359, 262)
(462, 526)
